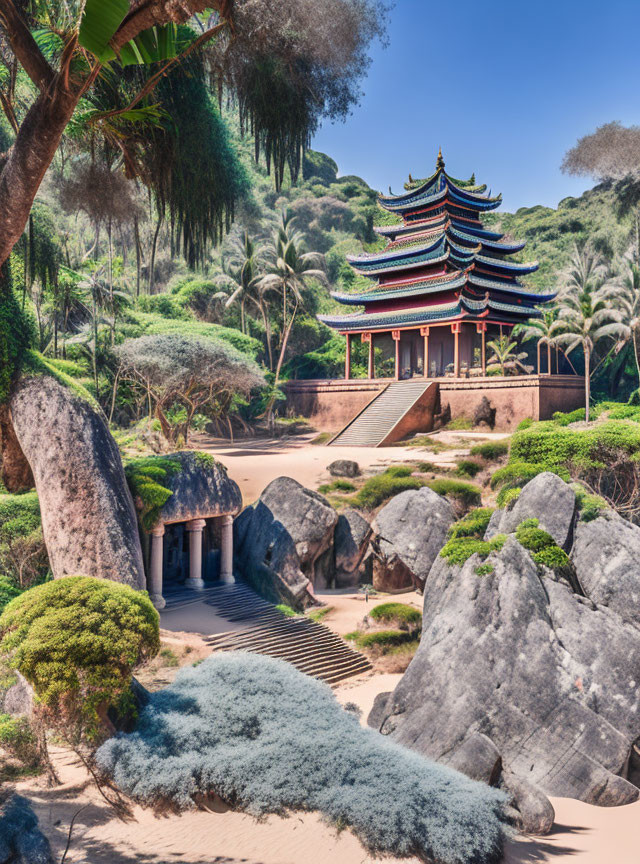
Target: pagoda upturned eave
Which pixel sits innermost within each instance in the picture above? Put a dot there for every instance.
(461, 309)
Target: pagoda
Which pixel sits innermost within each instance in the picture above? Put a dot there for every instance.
(441, 288)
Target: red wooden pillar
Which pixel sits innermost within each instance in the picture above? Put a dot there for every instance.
(395, 335)
(481, 328)
(424, 332)
(368, 337)
(347, 359)
(455, 329)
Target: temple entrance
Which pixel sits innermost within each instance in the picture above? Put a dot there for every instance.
(176, 553)
(411, 355)
(189, 554)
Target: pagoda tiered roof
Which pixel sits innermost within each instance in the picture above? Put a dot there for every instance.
(440, 263)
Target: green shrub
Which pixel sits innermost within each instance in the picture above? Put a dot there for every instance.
(563, 419)
(169, 657)
(336, 486)
(381, 638)
(590, 506)
(555, 558)
(468, 468)
(19, 515)
(460, 423)
(466, 494)
(474, 524)
(399, 613)
(77, 640)
(484, 570)
(18, 739)
(399, 471)
(391, 482)
(145, 477)
(533, 538)
(460, 549)
(8, 590)
(507, 497)
(515, 473)
(490, 451)
(219, 729)
(552, 446)
(524, 424)
(319, 614)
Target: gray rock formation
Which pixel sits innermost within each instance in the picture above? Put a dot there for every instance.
(18, 699)
(201, 489)
(284, 544)
(343, 468)
(88, 518)
(546, 498)
(21, 840)
(606, 555)
(408, 534)
(351, 540)
(547, 676)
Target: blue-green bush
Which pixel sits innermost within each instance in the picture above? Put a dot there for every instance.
(268, 739)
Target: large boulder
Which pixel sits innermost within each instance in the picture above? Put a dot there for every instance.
(88, 518)
(21, 840)
(351, 540)
(408, 534)
(546, 498)
(284, 543)
(201, 488)
(606, 555)
(546, 675)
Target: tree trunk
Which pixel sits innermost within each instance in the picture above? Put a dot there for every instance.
(634, 339)
(29, 157)
(154, 246)
(587, 382)
(285, 340)
(136, 234)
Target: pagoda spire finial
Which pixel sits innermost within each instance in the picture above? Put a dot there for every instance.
(439, 160)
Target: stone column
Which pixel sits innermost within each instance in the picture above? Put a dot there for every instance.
(347, 359)
(226, 549)
(195, 579)
(424, 332)
(368, 338)
(395, 335)
(154, 580)
(456, 350)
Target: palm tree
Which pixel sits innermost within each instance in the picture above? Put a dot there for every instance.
(625, 293)
(584, 319)
(540, 330)
(288, 275)
(504, 352)
(586, 271)
(244, 269)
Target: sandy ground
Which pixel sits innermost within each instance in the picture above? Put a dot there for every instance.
(254, 463)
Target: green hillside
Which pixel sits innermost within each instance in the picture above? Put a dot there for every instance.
(601, 215)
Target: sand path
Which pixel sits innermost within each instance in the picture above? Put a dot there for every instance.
(253, 463)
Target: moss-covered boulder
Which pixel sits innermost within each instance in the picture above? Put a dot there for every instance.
(181, 486)
(88, 518)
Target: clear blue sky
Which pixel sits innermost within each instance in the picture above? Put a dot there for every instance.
(505, 87)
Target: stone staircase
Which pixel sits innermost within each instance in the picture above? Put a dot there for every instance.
(377, 421)
(261, 628)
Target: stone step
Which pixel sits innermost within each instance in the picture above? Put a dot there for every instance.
(308, 645)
